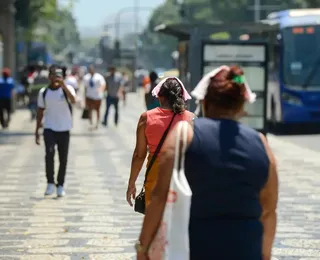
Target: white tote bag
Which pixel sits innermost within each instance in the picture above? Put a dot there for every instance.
(172, 239)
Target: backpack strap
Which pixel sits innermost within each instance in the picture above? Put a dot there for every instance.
(66, 97)
(44, 93)
(64, 93)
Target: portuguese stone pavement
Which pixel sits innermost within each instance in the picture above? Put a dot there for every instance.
(94, 222)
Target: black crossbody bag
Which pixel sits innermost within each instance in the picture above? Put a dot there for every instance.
(140, 201)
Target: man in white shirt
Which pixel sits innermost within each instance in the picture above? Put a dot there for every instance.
(95, 86)
(55, 108)
(72, 80)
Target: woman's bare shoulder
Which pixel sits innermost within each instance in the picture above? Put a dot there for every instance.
(190, 115)
(143, 117)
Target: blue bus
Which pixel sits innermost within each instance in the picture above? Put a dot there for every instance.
(294, 68)
(38, 52)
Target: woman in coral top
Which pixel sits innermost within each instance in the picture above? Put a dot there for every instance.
(152, 124)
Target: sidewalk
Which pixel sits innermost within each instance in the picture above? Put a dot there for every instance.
(94, 221)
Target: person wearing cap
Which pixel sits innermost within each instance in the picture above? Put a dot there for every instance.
(54, 106)
(6, 96)
(152, 124)
(231, 171)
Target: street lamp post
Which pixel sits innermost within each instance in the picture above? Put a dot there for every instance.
(136, 9)
(127, 10)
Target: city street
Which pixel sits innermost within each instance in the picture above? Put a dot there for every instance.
(94, 221)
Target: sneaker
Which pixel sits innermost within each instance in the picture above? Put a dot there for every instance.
(60, 191)
(50, 189)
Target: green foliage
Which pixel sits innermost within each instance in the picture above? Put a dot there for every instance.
(30, 12)
(45, 21)
(158, 47)
(220, 36)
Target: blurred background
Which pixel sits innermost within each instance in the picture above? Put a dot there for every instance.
(139, 36)
(81, 32)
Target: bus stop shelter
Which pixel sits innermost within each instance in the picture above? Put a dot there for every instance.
(195, 38)
(192, 35)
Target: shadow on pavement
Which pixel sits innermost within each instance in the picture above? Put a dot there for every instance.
(295, 129)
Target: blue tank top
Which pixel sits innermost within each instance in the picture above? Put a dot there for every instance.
(226, 166)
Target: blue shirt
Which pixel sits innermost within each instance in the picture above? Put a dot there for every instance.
(6, 87)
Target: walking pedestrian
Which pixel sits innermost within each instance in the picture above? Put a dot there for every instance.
(151, 128)
(126, 87)
(231, 171)
(115, 91)
(95, 86)
(55, 101)
(6, 97)
(37, 81)
(151, 101)
(71, 79)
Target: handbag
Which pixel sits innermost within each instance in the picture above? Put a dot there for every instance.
(140, 201)
(85, 113)
(172, 238)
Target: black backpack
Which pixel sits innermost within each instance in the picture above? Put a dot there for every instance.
(65, 95)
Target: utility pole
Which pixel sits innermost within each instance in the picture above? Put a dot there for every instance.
(257, 8)
(136, 23)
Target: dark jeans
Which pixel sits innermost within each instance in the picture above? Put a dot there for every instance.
(33, 109)
(5, 111)
(112, 101)
(61, 139)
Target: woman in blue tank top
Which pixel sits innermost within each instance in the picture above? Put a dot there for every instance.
(232, 174)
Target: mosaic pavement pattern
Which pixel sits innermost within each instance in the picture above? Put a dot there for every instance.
(94, 221)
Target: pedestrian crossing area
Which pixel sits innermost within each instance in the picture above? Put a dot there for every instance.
(94, 222)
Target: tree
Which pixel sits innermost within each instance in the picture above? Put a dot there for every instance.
(30, 12)
(203, 11)
(158, 53)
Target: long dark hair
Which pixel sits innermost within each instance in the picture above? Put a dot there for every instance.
(173, 92)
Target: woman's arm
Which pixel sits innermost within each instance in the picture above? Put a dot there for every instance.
(269, 201)
(156, 207)
(103, 84)
(138, 157)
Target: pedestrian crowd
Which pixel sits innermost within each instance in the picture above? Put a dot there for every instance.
(210, 186)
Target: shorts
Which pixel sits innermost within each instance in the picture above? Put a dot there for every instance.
(93, 104)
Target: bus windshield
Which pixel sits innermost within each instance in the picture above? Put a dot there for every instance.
(301, 53)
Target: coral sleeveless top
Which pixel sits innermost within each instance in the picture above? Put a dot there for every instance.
(158, 120)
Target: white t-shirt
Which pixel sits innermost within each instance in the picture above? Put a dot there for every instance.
(92, 84)
(72, 81)
(57, 114)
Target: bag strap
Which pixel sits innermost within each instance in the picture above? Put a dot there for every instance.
(64, 93)
(66, 97)
(155, 155)
(44, 93)
(181, 145)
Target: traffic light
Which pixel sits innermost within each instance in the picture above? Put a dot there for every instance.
(182, 11)
(70, 57)
(117, 49)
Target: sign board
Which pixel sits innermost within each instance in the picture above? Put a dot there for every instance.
(252, 58)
